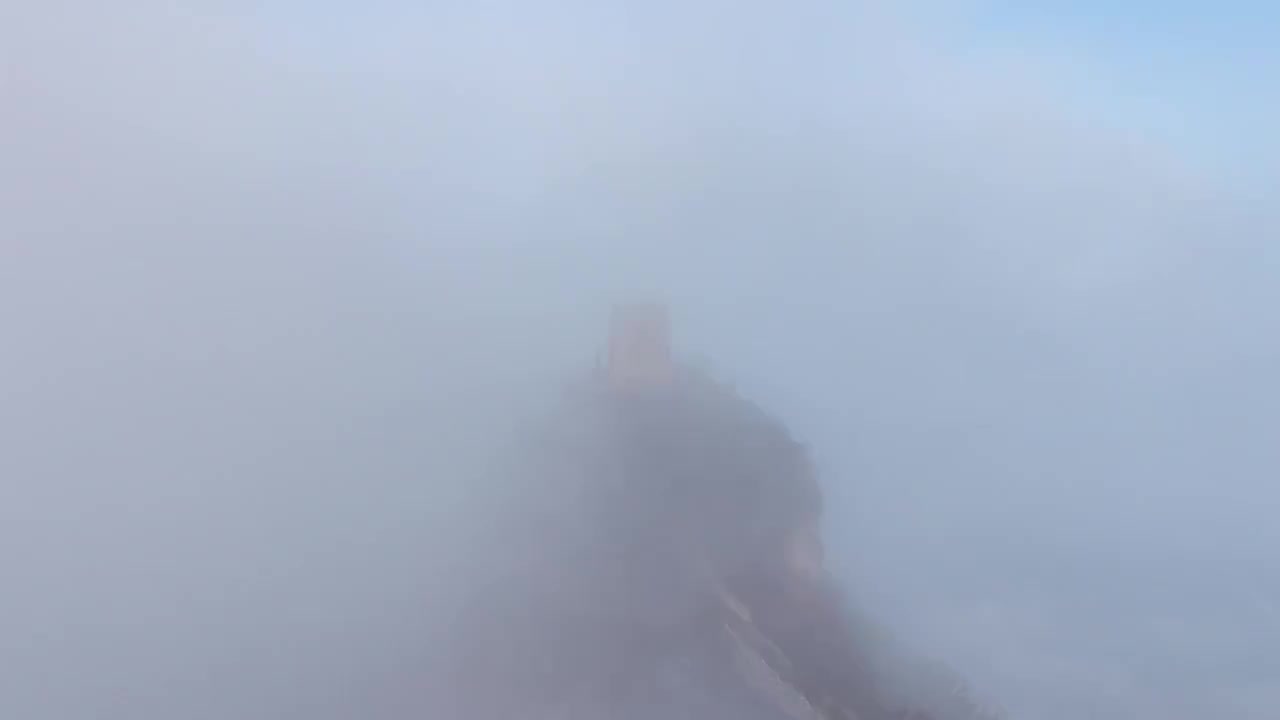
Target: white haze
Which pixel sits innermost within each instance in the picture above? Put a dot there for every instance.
(276, 284)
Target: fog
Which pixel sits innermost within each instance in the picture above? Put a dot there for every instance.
(279, 283)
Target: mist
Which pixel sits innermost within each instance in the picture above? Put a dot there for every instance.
(281, 285)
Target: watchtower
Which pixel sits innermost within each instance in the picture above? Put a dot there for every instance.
(639, 353)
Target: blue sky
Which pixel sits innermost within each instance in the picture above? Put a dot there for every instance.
(1197, 76)
(1196, 73)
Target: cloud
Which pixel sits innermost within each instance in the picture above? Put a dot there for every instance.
(271, 279)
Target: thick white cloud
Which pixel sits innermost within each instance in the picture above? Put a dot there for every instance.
(268, 274)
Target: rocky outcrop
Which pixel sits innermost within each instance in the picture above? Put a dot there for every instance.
(672, 569)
